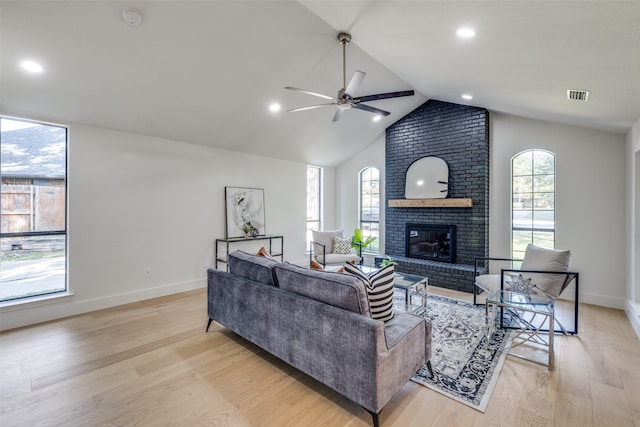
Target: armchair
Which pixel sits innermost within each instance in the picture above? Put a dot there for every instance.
(546, 269)
(324, 250)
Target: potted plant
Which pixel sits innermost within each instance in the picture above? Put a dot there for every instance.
(387, 261)
(247, 228)
(359, 242)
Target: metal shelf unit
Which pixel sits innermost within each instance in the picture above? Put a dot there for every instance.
(229, 242)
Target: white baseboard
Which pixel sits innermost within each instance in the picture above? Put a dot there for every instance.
(602, 300)
(29, 314)
(633, 314)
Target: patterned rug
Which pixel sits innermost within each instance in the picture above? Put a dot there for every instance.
(466, 364)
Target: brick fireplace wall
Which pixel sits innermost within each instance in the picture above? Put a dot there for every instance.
(458, 134)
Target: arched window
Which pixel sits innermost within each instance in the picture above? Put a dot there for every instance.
(532, 201)
(370, 206)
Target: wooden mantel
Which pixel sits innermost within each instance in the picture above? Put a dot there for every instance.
(431, 203)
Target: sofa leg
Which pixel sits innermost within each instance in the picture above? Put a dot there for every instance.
(376, 418)
(209, 324)
(430, 368)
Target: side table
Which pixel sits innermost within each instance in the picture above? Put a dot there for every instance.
(540, 309)
(412, 283)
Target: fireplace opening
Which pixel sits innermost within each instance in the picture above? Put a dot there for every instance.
(435, 242)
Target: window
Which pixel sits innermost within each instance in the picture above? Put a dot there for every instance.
(370, 206)
(33, 236)
(533, 201)
(314, 178)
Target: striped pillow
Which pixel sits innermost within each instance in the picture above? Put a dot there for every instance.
(379, 286)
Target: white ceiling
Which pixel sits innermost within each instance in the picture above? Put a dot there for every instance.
(205, 72)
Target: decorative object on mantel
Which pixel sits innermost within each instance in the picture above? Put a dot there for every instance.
(244, 206)
(431, 203)
(427, 178)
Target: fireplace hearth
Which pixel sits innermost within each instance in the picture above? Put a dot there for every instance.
(436, 242)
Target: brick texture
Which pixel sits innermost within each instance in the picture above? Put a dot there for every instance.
(459, 135)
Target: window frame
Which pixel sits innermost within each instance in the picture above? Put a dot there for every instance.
(536, 203)
(316, 222)
(361, 207)
(44, 233)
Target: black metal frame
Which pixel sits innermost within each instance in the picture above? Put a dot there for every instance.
(228, 242)
(570, 276)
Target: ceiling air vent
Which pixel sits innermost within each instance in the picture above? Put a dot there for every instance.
(578, 95)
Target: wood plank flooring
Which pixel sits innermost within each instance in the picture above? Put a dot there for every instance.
(151, 364)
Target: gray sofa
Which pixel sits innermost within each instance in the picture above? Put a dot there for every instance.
(319, 323)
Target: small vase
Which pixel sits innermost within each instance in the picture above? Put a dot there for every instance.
(246, 235)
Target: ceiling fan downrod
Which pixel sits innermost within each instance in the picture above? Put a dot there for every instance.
(344, 38)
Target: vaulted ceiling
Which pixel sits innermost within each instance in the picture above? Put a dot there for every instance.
(205, 72)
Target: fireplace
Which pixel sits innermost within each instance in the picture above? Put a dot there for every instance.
(436, 242)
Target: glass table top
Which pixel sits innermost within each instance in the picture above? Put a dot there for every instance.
(537, 302)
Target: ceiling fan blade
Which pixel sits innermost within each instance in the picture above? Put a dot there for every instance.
(378, 96)
(355, 83)
(310, 107)
(309, 92)
(337, 115)
(370, 109)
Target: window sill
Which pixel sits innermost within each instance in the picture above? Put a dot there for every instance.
(18, 304)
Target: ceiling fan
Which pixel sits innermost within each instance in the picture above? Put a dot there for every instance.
(345, 99)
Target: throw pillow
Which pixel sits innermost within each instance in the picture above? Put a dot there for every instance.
(265, 253)
(379, 285)
(341, 246)
(316, 266)
(522, 285)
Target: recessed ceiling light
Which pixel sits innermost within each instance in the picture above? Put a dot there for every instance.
(467, 96)
(465, 33)
(274, 107)
(376, 118)
(32, 66)
(132, 17)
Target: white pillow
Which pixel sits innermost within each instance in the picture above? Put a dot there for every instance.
(325, 238)
(537, 258)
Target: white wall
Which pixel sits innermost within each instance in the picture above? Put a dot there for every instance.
(633, 226)
(137, 201)
(590, 198)
(590, 192)
(347, 182)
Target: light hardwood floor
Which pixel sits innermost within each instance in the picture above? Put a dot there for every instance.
(152, 364)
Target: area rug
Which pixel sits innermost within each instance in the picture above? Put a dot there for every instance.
(465, 362)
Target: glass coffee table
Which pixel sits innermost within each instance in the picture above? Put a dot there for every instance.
(530, 313)
(412, 284)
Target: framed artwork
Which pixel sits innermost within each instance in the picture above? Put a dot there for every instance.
(244, 212)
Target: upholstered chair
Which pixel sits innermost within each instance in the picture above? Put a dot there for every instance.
(543, 271)
(331, 248)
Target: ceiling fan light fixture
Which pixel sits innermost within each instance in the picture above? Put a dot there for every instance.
(274, 108)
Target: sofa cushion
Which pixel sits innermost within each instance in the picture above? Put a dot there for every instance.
(338, 258)
(253, 267)
(537, 258)
(340, 290)
(379, 285)
(325, 238)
